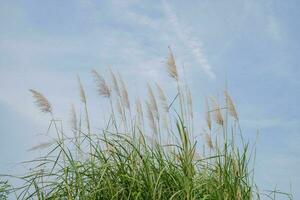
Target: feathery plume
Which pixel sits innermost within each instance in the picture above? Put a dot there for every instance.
(74, 126)
(124, 93)
(41, 101)
(230, 106)
(164, 104)
(207, 114)
(139, 110)
(102, 87)
(119, 108)
(115, 82)
(218, 114)
(163, 98)
(153, 103)
(208, 141)
(172, 69)
(81, 91)
(151, 118)
(190, 102)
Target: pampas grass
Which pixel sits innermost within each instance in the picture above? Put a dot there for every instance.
(115, 82)
(139, 112)
(81, 91)
(163, 98)
(207, 114)
(230, 106)
(164, 106)
(171, 66)
(102, 87)
(217, 112)
(152, 103)
(209, 141)
(74, 121)
(41, 101)
(124, 93)
(131, 157)
(151, 120)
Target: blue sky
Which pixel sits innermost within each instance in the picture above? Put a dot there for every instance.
(253, 44)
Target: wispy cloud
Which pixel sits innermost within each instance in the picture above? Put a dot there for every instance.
(265, 12)
(189, 40)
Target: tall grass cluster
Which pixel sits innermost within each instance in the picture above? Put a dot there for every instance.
(148, 149)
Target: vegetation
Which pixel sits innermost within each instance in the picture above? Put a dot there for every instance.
(147, 152)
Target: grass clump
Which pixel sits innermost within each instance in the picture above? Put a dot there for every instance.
(145, 150)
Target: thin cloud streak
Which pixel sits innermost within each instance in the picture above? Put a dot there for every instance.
(193, 43)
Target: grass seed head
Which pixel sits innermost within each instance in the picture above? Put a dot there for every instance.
(74, 122)
(124, 93)
(230, 106)
(163, 98)
(152, 102)
(190, 102)
(41, 101)
(81, 91)
(171, 64)
(207, 114)
(151, 120)
(119, 108)
(115, 82)
(209, 141)
(217, 113)
(139, 111)
(102, 87)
